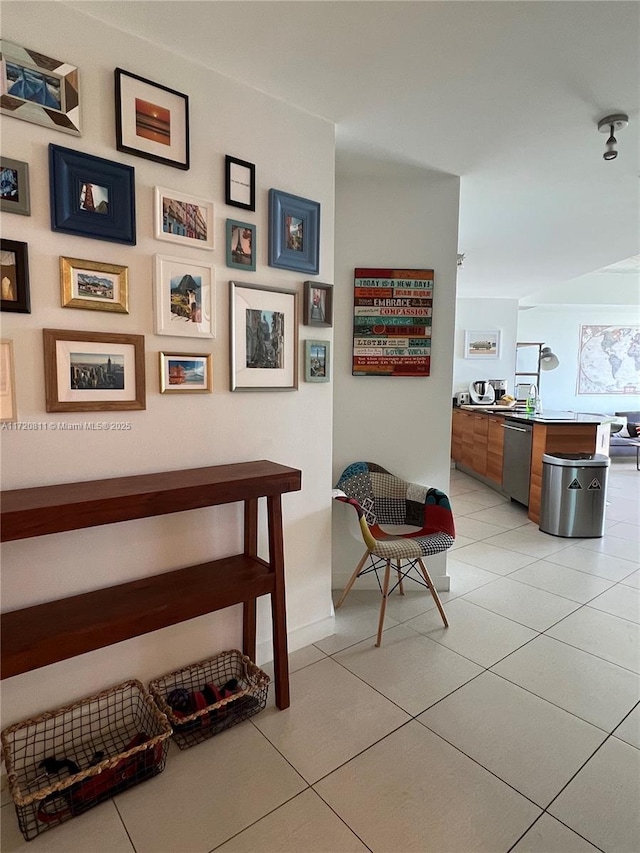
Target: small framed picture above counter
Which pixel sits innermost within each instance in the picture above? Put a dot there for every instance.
(482, 344)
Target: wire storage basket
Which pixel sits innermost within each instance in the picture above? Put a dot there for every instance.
(205, 698)
(65, 761)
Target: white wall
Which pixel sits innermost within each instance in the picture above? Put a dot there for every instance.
(403, 220)
(294, 152)
(490, 315)
(559, 328)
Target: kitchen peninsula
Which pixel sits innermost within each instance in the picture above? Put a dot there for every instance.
(478, 444)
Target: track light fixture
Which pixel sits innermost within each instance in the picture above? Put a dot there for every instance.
(609, 124)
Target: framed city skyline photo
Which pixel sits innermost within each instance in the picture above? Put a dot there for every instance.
(185, 373)
(91, 196)
(39, 89)
(241, 245)
(93, 285)
(294, 232)
(152, 120)
(14, 273)
(93, 371)
(182, 218)
(264, 337)
(14, 187)
(184, 297)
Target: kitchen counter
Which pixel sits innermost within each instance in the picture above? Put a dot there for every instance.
(544, 417)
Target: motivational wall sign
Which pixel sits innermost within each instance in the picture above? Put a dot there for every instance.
(392, 314)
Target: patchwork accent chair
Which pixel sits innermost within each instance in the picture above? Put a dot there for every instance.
(399, 521)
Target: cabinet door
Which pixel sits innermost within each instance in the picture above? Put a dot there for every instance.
(467, 439)
(457, 429)
(495, 444)
(480, 433)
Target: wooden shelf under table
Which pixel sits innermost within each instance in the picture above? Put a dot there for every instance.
(56, 630)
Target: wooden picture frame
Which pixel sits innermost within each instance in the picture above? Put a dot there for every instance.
(52, 96)
(239, 183)
(152, 120)
(91, 197)
(182, 218)
(318, 304)
(8, 410)
(294, 232)
(241, 245)
(317, 361)
(184, 297)
(481, 345)
(93, 285)
(93, 371)
(185, 373)
(14, 187)
(15, 293)
(264, 337)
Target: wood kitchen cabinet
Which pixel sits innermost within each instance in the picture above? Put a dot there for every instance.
(495, 448)
(477, 442)
(480, 431)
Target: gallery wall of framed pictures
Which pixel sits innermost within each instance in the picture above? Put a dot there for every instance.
(94, 197)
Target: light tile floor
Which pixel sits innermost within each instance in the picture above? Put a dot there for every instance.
(515, 729)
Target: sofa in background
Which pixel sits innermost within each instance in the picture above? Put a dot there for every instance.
(622, 431)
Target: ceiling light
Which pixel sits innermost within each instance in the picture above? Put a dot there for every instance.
(609, 124)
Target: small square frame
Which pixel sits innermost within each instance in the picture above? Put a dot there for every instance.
(174, 378)
(14, 200)
(185, 312)
(481, 345)
(93, 292)
(267, 361)
(239, 183)
(152, 120)
(8, 411)
(15, 294)
(238, 242)
(70, 174)
(55, 75)
(294, 232)
(82, 394)
(182, 218)
(318, 304)
(317, 361)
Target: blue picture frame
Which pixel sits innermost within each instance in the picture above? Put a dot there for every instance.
(91, 197)
(294, 232)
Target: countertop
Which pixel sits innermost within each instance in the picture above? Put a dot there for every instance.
(545, 417)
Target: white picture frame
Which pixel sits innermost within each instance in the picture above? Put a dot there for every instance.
(184, 297)
(481, 345)
(184, 219)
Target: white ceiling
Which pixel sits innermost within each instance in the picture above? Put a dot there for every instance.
(505, 94)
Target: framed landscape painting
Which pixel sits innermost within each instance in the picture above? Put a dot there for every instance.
(264, 337)
(479, 345)
(184, 297)
(93, 285)
(152, 120)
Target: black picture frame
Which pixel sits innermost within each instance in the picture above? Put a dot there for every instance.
(158, 131)
(239, 183)
(111, 213)
(294, 232)
(15, 278)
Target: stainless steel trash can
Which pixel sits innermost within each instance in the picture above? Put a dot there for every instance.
(574, 489)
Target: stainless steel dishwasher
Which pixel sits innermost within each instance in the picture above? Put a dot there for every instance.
(516, 460)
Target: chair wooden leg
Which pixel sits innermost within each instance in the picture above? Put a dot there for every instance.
(400, 583)
(383, 603)
(352, 579)
(433, 592)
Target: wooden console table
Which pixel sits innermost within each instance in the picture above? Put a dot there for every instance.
(45, 633)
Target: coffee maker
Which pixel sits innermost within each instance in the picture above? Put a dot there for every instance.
(499, 386)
